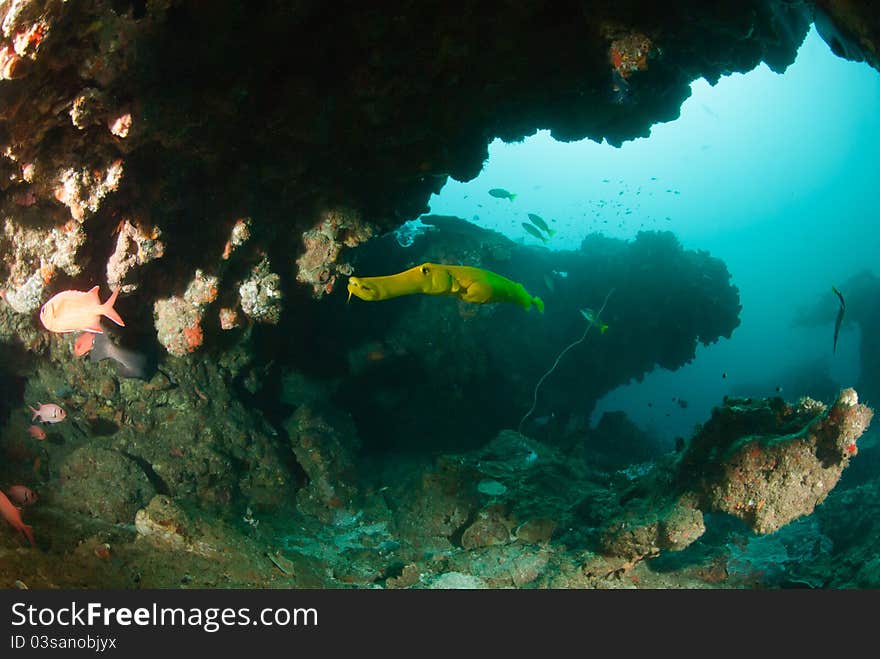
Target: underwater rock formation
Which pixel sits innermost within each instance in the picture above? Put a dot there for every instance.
(768, 462)
(181, 432)
(133, 248)
(324, 441)
(850, 520)
(851, 29)
(513, 513)
(644, 530)
(125, 487)
(761, 460)
(166, 525)
(339, 126)
(318, 266)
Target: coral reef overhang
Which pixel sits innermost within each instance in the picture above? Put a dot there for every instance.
(180, 119)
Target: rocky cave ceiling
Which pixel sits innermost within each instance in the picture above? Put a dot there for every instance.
(192, 151)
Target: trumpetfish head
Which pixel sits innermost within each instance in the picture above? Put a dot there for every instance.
(360, 287)
(428, 278)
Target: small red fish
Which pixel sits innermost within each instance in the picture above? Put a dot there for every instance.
(21, 495)
(83, 344)
(12, 515)
(36, 432)
(74, 311)
(48, 413)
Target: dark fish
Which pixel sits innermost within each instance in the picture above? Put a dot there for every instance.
(501, 193)
(532, 230)
(539, 222)
(839, 316)
(619, 88)
(708, 110)
(593, 318)
(544, 420)
(129, 363)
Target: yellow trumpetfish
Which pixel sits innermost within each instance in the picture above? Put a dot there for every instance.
(464, 282)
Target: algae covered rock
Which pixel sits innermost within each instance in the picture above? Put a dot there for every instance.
(103, 483)
(646, 528)
(768, 462)
(167, 525)
(492, 526)
(323, 438)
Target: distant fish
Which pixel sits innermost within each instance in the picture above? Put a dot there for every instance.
(532, 230)
(501, 193)
(840, 313)
(129, 363)
(544, 420)
(594, 320)
(560, 273)
(48, 413)
(539, 222)
(548, 282)
(619, 88)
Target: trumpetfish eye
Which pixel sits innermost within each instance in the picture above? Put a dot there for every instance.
(424, 269)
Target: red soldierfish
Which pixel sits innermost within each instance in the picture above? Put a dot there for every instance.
(74, 311)
(36, 432)
(83, 343)
(48, 413)
(12, 515)
(21, 495)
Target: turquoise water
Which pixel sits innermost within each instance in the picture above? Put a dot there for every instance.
(774, 174)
